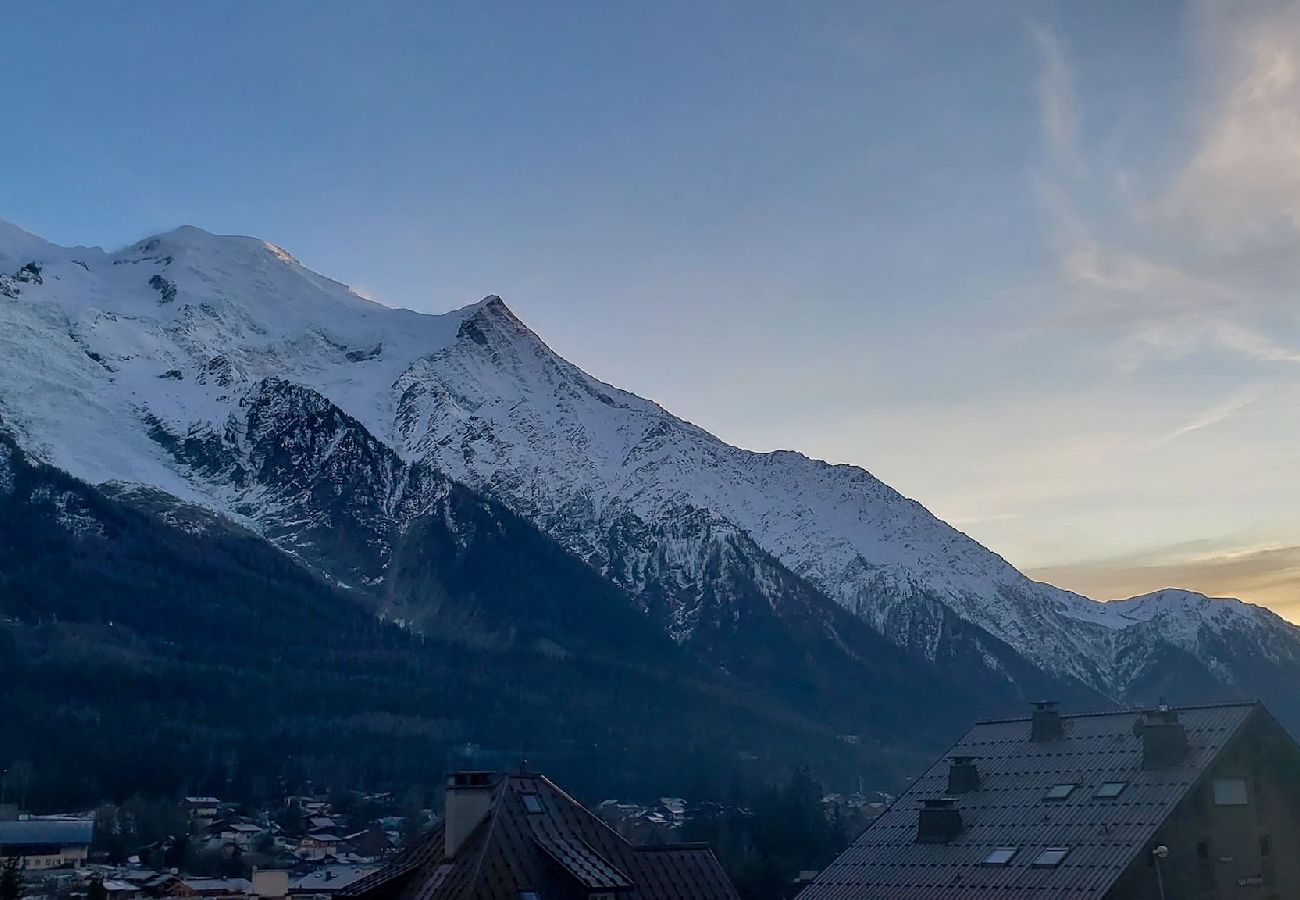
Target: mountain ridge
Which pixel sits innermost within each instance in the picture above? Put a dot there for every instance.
(115, 359)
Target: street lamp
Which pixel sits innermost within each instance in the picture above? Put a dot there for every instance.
(1161, 852)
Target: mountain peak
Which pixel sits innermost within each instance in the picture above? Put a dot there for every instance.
(191, 238)
(19, 245)
(491, 317)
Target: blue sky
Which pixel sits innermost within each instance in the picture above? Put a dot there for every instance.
(1032, 264)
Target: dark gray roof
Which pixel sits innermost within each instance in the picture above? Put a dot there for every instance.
(1008, 810)
(586, 866)
(45, 831)
(331, 879)
(548, 852)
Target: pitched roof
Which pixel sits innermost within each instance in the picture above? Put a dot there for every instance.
(558, 852)
(331, 879)
(1009, 810)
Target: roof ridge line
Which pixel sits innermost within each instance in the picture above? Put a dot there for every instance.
(1121, 711)
(491, 825)
(683, 845)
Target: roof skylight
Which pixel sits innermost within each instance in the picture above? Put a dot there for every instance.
(1059, 791)
(1111, 789)
(999, 856)
(1050, 857)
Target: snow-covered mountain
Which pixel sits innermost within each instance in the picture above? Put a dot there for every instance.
(166, 364)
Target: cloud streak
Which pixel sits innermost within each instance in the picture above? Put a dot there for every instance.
(1210, 417)
(1205, 261)
(1243, 183)
(1058, 107)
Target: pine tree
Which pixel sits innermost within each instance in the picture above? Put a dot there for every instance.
(11, 879)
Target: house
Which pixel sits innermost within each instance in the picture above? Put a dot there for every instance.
(326, 882)
(46, 843)
(369, 844)
(236, 832)
(520, 837)
(1193, 803)
(120, 889)
(209, 887)
(318, 845)
(202, 807)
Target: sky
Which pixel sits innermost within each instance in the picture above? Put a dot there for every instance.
(1033, 264)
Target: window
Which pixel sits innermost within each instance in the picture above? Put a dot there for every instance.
(1111, 789)
(1265, 845)
(1229, 792)
(1050, 857)
(532, 803)
(1202, 849)
(1058, 792)
(999, 856)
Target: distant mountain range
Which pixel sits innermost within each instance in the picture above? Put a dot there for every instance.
(214, 382)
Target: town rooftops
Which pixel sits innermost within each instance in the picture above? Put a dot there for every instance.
(329, 880)
(1060, 809)
(45, 832)
(536, 839)
(216, 887)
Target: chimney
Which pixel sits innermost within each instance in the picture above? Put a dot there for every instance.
(1164, 739)
(963, 775)
(1046, 723)
(270, 884)
(939, 821)
(467, 802)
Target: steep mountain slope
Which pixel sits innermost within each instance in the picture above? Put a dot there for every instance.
(173, 364)
(170, 650)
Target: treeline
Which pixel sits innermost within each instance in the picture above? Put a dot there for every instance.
(140, 658)
(765, 837)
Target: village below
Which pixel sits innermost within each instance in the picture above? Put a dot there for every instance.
(315, 846)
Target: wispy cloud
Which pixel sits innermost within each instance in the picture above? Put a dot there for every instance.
(1058, 107)
(1207, 259)
(1210, 417)
(1243, 182)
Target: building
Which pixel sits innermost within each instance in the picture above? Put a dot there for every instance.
(520, 837)
(241, 834)
(47, 843)
(202, 807)
(1185, 804)
(121, 889)
(208, 887)
(327, 882)
(372, 843)
(317, 845)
